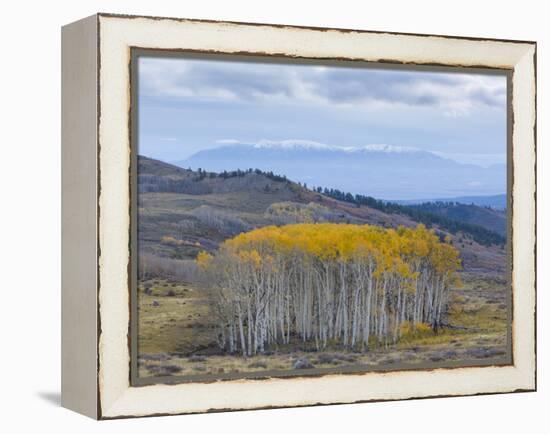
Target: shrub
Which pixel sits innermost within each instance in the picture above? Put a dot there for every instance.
(325, 358)
(258, 364)
(152, 266)
(223, 221)
(171, 369)
(408, 329)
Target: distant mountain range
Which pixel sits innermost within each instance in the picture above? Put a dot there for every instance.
(383, 171)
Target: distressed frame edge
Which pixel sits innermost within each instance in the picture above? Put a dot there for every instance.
(306, 27)
(135, 381)
(529, 386)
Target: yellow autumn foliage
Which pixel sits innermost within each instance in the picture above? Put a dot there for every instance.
(329, 282)
(393, 250)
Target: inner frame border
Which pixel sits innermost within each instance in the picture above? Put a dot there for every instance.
(133, 111)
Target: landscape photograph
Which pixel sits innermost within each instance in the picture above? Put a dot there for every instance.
(299, 218)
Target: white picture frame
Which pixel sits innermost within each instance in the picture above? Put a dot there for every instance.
(96, 138)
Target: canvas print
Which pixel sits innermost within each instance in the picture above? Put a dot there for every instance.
(298, 218)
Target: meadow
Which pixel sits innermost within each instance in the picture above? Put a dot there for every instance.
(178, 336)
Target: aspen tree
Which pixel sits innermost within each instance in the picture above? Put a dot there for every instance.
(323, 283)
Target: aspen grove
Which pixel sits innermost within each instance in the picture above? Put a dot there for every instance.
(328, 284)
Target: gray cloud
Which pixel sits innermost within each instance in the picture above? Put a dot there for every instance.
(454, 93)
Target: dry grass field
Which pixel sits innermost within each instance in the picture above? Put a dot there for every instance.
(177, 335)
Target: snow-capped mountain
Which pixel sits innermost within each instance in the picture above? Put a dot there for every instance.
(379, 170)
(311, 145)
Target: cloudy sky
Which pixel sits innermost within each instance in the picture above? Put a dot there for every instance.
(187, 105)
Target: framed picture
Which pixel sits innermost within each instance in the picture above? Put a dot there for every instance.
(262, 216)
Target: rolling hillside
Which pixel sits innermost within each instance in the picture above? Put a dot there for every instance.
(489, 218)
(182, 212)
